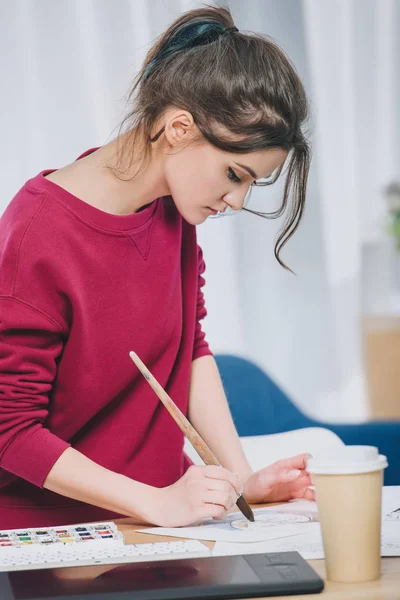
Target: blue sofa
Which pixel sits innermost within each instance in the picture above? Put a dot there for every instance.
(260, 407)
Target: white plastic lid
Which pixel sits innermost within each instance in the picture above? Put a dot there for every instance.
(347, 460)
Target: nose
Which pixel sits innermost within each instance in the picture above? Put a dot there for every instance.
(235, 200)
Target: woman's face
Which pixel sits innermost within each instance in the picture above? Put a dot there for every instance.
(203, 179)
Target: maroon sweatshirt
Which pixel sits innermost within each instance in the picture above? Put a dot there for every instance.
(79, 289)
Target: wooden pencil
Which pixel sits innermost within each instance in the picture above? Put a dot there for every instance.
(187, 428)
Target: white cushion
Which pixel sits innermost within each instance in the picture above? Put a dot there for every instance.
(263, 450)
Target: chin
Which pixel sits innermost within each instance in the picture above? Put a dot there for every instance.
(194, 217)
(197, 221)
(193, 214)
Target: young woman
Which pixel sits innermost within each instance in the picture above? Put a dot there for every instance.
(100, 257)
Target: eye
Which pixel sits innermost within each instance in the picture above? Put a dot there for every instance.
(234, 176)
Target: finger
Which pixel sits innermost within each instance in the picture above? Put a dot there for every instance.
(287, 475)
(227, 500)
(306, 493)
(303, 478)
(295, 462)
(269, 478)
(296, 478)
(299, 485)
(309, 494)
(212, 510)
(214, 472)
(218, 484)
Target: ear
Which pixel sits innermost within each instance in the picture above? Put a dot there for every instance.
(180, 128)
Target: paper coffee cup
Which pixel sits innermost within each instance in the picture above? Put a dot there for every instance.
(348, 490)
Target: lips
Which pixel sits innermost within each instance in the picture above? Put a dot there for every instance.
(214, 212)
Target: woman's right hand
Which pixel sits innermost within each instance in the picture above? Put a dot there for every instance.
(203, 491)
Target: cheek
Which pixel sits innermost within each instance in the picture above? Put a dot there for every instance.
(181, 181)
(192, 183)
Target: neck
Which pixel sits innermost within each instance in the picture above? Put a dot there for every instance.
(130, 195)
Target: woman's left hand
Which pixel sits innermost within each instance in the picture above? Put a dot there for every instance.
(281, 481)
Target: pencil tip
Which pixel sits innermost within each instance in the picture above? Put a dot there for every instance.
(245, 509)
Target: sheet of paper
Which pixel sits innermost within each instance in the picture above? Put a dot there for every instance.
(390, 499)
(226, 530)
(307, 508)
(390, 502)
(309, 543)
(279, 527)
(226, 533)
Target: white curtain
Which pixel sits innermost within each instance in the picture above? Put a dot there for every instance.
(354, 58)
(66, 68)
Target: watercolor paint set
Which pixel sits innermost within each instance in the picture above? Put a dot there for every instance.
(63, 535)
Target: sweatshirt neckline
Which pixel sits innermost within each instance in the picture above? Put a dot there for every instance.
(95, 216)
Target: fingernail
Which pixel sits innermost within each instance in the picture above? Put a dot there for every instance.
(294, 473)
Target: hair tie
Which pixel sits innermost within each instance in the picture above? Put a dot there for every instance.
(194, 34)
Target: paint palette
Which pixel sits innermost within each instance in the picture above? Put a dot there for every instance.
(106, 532)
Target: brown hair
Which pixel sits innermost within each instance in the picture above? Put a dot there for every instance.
(229, 81)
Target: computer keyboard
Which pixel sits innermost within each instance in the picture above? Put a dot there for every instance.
(84, 544)
(17, 559)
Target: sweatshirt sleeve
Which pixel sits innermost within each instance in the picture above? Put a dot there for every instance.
(201, 347)
(30, 344)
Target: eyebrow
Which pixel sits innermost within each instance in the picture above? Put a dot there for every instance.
(248, 170)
